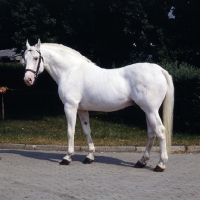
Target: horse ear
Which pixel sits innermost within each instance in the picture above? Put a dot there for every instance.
(38, 44)
(27, 45)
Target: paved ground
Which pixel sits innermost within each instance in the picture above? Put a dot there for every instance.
(38, 175)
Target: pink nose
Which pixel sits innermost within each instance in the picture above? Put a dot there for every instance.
(29, 81)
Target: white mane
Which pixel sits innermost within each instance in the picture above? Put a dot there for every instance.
(65, 48)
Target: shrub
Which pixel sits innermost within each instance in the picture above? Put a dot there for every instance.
(187, 95)
(43, 96)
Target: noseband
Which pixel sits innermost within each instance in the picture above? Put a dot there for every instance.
(38, 66)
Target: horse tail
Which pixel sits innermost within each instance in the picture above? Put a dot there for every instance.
(168, 107)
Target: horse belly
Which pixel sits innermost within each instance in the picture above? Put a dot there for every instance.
(105, 105)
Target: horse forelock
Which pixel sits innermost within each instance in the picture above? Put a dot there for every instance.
(60, 47)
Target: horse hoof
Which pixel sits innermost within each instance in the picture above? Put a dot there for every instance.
(87, 161)
(64, 162)
(158, 169)
(139, 164)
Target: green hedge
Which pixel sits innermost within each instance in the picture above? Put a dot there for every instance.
(43, 97)
(187, 95)
(11, 75)
(28, 102)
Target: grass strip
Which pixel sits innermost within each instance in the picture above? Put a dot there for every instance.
(51, 130)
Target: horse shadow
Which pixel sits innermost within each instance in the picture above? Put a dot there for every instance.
(57, 157)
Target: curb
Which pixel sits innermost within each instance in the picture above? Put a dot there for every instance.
(133, 149)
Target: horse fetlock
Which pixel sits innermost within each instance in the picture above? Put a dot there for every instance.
(164, 157)
(68, 158)
(70, 152)
(91, 148)
(90, 156)
(145, 158)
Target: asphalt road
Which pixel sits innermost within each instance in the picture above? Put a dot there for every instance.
(38, 175)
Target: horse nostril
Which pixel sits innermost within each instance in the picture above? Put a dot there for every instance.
(30, 80)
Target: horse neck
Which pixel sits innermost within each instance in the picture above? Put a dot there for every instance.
(58, 65)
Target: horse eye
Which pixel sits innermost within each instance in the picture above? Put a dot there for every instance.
(35, 58)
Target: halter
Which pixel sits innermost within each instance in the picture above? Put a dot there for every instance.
(38, 66)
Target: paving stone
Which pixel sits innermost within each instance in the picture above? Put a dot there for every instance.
(33, 174)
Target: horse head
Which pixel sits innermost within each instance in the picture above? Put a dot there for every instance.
(34, 63)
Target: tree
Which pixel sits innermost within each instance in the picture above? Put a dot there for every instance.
(111, 33)
(26, 19)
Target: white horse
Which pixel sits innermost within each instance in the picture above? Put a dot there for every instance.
(83, 87)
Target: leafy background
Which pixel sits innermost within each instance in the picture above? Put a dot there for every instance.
(111, 33)
(105, 31)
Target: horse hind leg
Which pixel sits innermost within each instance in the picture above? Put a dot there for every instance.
(84, 118)
(156, 128)
(151, 138)
(159, 129)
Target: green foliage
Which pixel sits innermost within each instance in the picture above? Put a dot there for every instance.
(35, 20)
(36, 98)
(105, 31)
(11, 75)
(11, 65)
(187, 95)
(25, 19)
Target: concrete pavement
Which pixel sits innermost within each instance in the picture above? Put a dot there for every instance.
(36, 174)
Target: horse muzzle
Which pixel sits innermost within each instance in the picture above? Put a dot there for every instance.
(29, 79)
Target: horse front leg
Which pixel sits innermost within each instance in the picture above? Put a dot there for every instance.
(70, 112)
(84, 118)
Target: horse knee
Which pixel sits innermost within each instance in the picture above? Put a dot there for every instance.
(146, 156)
